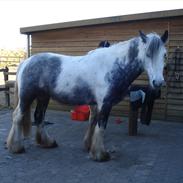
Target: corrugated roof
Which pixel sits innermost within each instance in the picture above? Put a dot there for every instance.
(107, 20)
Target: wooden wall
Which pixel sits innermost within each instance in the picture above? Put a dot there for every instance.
(78, 41)
(174, 105)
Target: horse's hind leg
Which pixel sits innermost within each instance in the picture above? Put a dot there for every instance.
(92, 123)
(42, 137)
(21, 123)
(14, 140)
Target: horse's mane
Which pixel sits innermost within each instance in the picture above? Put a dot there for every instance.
(112, 46)
(153, 45)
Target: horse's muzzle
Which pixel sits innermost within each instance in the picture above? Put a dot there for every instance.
(158, 84)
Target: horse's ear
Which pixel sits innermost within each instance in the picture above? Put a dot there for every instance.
(143, 36)
(103, 44)
(164, 37)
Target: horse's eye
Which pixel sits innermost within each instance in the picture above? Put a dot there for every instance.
(165, 60)
(165, 56)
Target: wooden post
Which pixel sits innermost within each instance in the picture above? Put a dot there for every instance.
(132, 128)
(28, 45)
(133, 118)
(7, 89)
(146, 112)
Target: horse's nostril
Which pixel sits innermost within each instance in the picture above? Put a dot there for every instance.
(154, 82)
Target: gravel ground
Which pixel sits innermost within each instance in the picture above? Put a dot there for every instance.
(154, 156)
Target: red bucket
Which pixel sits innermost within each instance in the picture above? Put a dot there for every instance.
(80, 113)
(82, 108)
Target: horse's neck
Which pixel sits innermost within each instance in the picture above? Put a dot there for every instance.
(133, 71)
(120, 79)
(127, 74)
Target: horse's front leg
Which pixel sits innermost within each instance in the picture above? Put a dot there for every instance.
(42, 137)
(97, 150)
(92, 123)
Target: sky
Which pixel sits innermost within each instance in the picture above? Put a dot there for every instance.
(24, 13)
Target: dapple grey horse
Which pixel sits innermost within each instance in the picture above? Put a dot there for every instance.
(100, 79)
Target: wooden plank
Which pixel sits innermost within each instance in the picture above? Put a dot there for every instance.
(174, 118)
(176, 113)
(175, 44)
(173, 68)
(175, 102)
(65, 49)
(176, 29)
(173, 85)
(175, 21)
(96, 38)
(10, 73)
(64, 44)
(66, 53)
(175, 91)
(158, 107)
(174, 96)
(176, 107)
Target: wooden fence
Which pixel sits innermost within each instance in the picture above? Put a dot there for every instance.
(8, 68)
(10, 61)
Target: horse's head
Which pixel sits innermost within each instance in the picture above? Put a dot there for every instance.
(154, 56)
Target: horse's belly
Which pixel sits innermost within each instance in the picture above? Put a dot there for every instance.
(75, 97)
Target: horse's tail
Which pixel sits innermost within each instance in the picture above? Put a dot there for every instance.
(26, 120)
(16, 98)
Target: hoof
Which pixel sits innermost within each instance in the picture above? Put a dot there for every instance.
(49, 145)
(45, 142)
(17, 149)
(53, 145)
(101, 157)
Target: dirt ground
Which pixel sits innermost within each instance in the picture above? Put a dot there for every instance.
(154, 156)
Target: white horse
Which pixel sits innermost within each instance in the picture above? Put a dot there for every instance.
(99, 79)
